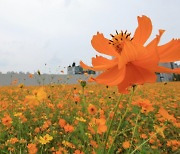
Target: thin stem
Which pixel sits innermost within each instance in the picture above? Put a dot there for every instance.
(134, 130)
(125, 131)
(143, 144)
(83, 99)
(42, 149)
(122, 119)
(20, 151)
(145, 141)
(110, 126)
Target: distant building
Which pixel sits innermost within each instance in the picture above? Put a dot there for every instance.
(175, 65)
(74, 70)
(78, 70)
(89, 72)
(164, 76)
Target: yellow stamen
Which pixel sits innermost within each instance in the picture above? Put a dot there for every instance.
(118, 40)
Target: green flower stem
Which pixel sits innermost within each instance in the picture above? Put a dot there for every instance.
(134, 130)
(143, 144)
(125, 131)
(42, 149)
(122, 119)
(20, 151)
(110, 126)
(83, 100)
(97, 137)
(145, 141)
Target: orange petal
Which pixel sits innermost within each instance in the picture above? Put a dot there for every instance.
(99, 60)
(101, 44)
(156, 40)
(135, 75)
(97, 68)
(170, 51)
(91, 79)
(149, 58)
(162, 69)
(132, 51)
(111, 77)
(143, 30)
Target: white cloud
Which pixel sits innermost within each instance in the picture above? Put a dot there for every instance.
(34, 32)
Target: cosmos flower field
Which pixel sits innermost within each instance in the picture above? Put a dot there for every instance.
(86, 118)
(124, 115)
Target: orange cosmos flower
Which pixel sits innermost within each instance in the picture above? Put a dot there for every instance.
(92, 109)
(101, 129)
(132, 62)
(143, 136)
(126, 144)
(101, 123)
(166, 115)
(60, 106)
(93, 143)
(145, 105)
(13, 140)
(7, 121)
(78, 152)
(68, 128)
(37, 130)
(46, 125)
(62, 123)
(32, 149)
(76, 98)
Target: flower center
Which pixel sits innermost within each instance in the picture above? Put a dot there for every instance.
(92, 109)
(118, 40)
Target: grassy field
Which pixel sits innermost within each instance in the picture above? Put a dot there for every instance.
(94, 119)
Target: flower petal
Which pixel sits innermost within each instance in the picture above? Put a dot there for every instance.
(149, 58)
(131, 52)
(162, 69)
(101, 44)
(99, 60)
(143, 30)
(135, 75)
(112, 76)
(98, 67)
(170, 51)
(153, 44)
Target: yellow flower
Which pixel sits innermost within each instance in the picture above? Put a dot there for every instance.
(68, 144)
(40, 94)
(160, 130)
(81, 119)
(46, 139)
(18, 114)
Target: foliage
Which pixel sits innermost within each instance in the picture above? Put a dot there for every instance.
(68, 119)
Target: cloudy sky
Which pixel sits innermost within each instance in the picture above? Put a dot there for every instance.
(57, 32)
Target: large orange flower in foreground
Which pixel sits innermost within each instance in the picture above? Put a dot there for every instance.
(132, 62)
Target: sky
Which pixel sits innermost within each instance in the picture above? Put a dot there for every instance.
(49, 35)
